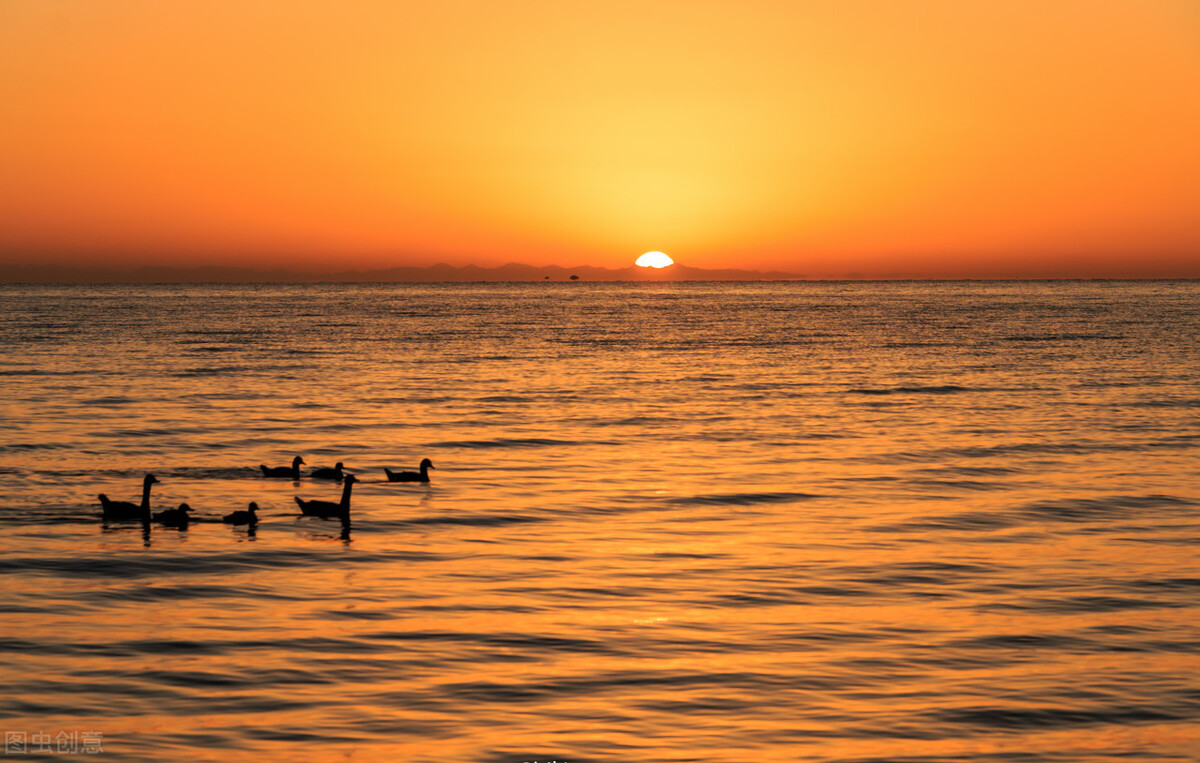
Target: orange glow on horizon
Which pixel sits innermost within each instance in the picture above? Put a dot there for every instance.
(932, 138)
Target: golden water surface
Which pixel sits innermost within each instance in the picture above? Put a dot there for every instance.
(667, 522)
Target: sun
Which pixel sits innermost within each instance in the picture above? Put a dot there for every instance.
(654, 260)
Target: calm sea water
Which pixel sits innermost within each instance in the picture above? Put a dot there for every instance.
(668, 522)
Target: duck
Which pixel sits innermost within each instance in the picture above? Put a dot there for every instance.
(174, 517)
(329, 474)
(422, 476)
(248, 517)
(329, 509)
(125, 511)
(292, 472)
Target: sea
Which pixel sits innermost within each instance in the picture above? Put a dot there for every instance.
(675, 521)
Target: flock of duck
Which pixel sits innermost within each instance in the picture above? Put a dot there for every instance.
(127, 511)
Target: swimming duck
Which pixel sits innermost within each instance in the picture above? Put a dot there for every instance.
(422, 476)
(329, 474)
(292, 472)
(124, 511)
(329, 509)
(243, 517)
(174, 517)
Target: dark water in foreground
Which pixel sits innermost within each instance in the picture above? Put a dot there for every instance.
(668, 522)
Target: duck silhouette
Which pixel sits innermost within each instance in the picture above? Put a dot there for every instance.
(329, 474)
(329, 509)
(421, 476)
(248, 517)
(291, 472)
(174, 517)
(125, 511)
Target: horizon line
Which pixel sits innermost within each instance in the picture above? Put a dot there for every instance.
(512, 272)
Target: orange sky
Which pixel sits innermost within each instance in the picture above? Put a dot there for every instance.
(926, 137)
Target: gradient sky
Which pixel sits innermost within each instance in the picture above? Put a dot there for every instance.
(926, 137)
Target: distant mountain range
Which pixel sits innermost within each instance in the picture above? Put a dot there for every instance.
(435, 273)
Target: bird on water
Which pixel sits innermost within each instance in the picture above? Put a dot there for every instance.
(125, 511)
(329, 509)
(290, 472)
(248, 517)
(329, 474)
(421, 476)
(174, 517)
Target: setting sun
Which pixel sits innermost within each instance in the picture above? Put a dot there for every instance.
(654, 260)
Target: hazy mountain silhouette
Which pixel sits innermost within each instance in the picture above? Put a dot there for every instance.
(435, 273)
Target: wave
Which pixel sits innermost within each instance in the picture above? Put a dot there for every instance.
(212, 472)
(739, 499)
(22, 447)
(992, 718)
(974, 471)
(1100, 509)
(475, 520)
(944, 486)
(945, 389)
(1191, 403)
(1082, 447)
(1027, 641)
(137, 647)
(1056, 337)
(213, 371)
(230, 472)
(202, 348)
(1089, 604)
(136, 567)
(221, 332)
(109, 400)
(519, 442)
(1032, 515)
(49, 372)
(969, 521)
